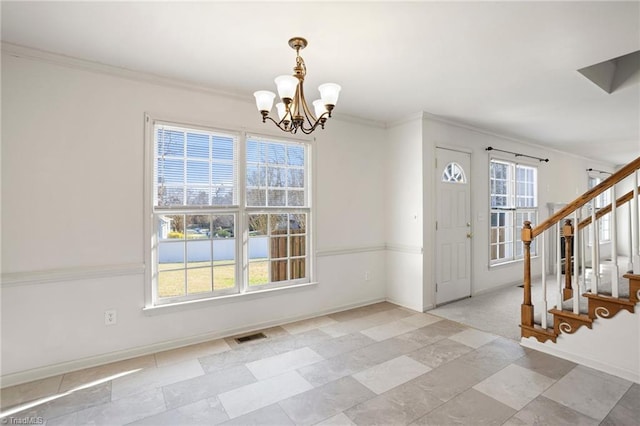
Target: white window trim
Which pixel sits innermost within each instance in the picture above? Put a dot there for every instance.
(517, 227)
(150, 305)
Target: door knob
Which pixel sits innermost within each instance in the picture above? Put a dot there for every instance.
(469, 234)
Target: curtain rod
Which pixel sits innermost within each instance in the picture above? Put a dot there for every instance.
(546, 160)
(599, 171)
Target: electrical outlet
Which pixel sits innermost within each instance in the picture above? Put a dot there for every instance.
(367, 276)
(110, 317)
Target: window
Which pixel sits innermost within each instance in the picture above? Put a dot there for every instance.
(200, 212)
(278, 212)
(604, 223)
(453, 173)
(513, 200)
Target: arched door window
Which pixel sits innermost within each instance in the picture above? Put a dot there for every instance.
(453, 173)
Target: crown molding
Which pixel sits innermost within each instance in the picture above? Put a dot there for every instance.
(487, 132)
(359, 120)
(31, 53)
(407, 119)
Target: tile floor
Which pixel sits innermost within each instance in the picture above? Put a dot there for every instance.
(375, 365)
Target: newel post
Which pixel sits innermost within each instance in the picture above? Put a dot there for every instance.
(527, 308)
(567, 232)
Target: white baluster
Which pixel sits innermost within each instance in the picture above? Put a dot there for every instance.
(544, 280)
(575, 283)
(614, 243)
(583, 258)
(558, 268)
(635, 257)
(595, 262)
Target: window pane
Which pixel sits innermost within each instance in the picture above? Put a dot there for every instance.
(298, 247)
(223, 226)
(188, 176)
(297, 223)
(453, 173)
(295, 155)
(222, 174)
(296, 198)
(258, 273)
(276, 153)
(205, 246)
(222, 196)
(277, 197)
(278, 247)
(170, 196)
(256, 176)
(171, 255)
(223, 148)
(171, 283)
(276, 177)
(279, 224)
(199, 280)
(197, 172)
(171, 171)
(197, 196)
(224, 277)
(297, 268)
(279, 270)
(256, 152)
(296, 178)
(197, 145)
(258, 224)
(224, 251)
(171, 227)
(169, 142)
(256, 197)
(275, 165)
(198, 226)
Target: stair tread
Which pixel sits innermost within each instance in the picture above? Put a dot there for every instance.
(604, 289)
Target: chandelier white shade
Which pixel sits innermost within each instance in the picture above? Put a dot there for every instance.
(293, 111)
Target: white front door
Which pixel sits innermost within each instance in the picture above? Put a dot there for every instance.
(453, 226)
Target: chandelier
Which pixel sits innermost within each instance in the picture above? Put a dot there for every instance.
(293, 112)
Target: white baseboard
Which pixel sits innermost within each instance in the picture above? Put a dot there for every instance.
(20, 377)
(404, 305)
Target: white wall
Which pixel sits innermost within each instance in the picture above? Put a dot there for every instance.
(72, 218)
(72, 142)
(560, 180)
(612, 345)
(404, 218)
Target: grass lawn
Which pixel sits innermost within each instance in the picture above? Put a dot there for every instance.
(171, 280)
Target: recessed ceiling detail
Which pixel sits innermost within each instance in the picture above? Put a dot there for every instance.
(614, 73)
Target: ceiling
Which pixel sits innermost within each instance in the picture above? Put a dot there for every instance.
(508, 67)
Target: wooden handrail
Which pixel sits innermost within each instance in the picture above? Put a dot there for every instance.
(607, 209)
(528, 234)
(587, 196)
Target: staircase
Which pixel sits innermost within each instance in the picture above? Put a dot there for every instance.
(589, 289)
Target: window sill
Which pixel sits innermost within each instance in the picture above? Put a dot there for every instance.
(220, 300)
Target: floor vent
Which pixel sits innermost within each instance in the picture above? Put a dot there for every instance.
(250, 337)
